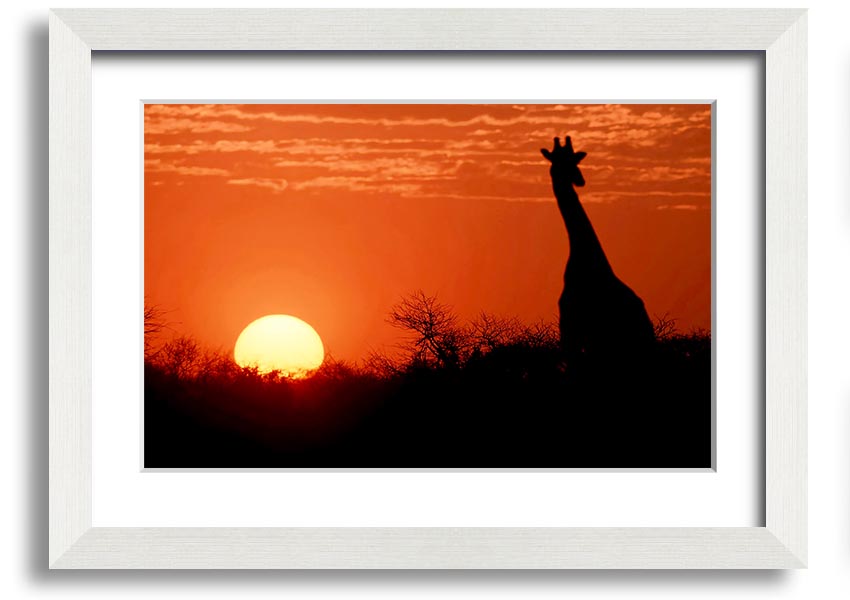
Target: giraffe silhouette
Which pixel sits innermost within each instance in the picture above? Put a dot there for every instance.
(603, 323)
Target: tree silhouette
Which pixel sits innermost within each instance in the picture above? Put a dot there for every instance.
(181, 357)
(154, 318)
(490, 332)
(664, 327)
(434, 336)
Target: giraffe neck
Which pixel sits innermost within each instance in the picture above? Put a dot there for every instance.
(585, 248)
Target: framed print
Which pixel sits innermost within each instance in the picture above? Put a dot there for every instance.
(343, 221)
(450, 310)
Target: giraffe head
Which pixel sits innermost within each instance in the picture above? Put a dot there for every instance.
(565, 162)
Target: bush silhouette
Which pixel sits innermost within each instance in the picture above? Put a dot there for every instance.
(492, 392)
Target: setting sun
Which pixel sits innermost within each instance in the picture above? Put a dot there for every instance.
(280, 343)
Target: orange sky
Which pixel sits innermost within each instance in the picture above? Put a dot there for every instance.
(332, 212)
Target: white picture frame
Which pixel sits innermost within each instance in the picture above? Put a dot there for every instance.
(76, 33)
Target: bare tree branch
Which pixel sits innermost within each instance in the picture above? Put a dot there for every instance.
(435, 336)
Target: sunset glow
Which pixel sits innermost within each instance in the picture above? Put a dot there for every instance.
(334, 212)
(280, 343)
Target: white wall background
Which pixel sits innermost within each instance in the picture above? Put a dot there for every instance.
(23, 385)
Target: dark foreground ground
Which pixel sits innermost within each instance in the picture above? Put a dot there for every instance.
(511, 405)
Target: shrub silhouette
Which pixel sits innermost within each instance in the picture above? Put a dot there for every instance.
(492, 392)
(434, 338)
(154, 325)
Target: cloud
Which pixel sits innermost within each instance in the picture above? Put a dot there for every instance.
(170, 126)
(385, 168)
(158, 166)
(634, 150)
(594, 116)
(275, 185)
(670, 173)
(485, 132)
(330, 150)
(668, 199)
(678, 207)
(523, 163)
(361, 184)
(198, 146)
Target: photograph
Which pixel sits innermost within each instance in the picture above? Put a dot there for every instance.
(428, 285)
